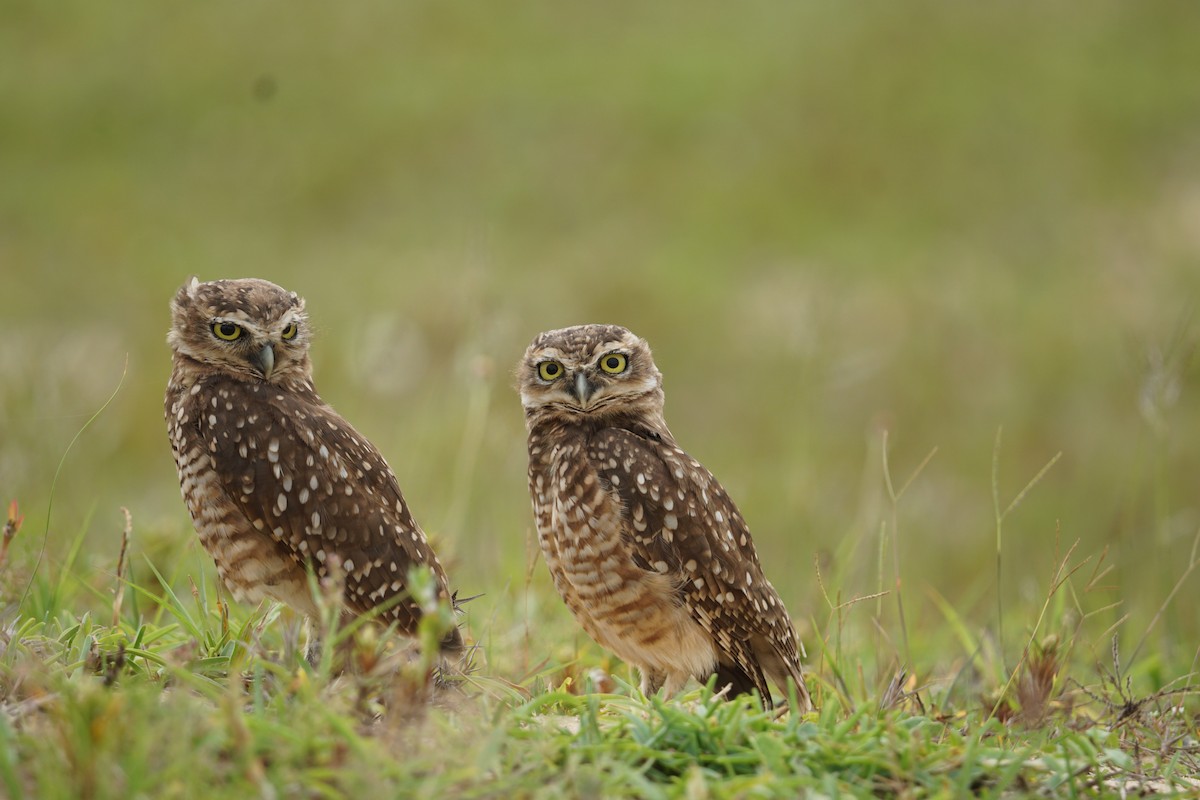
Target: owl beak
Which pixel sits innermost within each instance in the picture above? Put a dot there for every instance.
(265, 361)
(583, 388)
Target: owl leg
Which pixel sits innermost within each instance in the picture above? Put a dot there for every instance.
(315, 640)
(312, 642)
(312, 653)
(652, 680)
(675, 682)
(734, 678)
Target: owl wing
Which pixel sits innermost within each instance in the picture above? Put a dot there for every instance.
(304, 476)
(678, 519)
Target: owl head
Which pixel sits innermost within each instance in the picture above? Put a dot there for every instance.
(590, 372)
(249, 328)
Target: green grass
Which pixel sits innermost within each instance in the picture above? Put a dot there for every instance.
(893, 263)
(163, 695)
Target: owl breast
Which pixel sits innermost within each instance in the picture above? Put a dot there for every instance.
(249, 562)
(634, 611)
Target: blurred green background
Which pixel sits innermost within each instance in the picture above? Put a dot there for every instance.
(829, 220)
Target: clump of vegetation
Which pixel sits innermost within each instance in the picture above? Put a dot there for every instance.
(152, 692)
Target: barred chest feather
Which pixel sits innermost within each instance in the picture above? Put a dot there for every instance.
(635, 612)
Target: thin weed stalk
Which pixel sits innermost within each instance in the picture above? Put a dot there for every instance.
(1061, 576)
(1000, 517)
(58, 471)
(894, 499)
(122, 568)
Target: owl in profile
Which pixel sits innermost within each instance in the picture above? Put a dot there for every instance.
(276, 481)
(644, 545)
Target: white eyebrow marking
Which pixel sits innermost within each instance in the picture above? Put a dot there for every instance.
(240, 318)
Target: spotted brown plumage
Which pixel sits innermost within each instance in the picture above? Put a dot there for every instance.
(644, 545)
(275, 480)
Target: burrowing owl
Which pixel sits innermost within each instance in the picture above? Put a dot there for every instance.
(643, 543)
(275, 480)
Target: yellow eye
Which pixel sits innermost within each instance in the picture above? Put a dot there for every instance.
(289, 332)
(226, 331)
(549, 370)
(614, 363)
